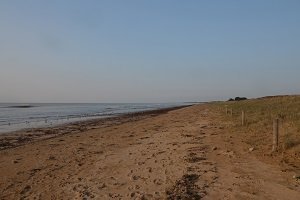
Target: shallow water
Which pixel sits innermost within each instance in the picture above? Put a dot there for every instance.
(19, 116)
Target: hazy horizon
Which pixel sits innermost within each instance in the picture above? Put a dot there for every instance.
(147, 51)
(211, 100)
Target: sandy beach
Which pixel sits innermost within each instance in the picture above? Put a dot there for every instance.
(149, 100)
(186, 153)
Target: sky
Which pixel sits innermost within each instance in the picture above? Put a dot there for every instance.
(148, 51)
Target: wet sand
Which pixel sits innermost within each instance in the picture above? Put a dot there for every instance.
(172, 154)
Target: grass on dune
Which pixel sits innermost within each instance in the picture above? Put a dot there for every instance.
(260, 114)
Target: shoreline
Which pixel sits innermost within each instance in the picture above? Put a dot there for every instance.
(187, 153)
(24, 136)
(16, 117)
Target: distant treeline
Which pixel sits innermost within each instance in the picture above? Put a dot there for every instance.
(238, 99)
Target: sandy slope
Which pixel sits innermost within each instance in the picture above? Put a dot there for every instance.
(185, 153)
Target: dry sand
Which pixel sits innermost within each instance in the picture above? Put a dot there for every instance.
(180, 154)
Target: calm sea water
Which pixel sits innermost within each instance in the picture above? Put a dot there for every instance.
(19, 116)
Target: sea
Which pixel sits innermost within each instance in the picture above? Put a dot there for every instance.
(15, 116)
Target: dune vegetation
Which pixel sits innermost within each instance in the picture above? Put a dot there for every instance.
(258, 124)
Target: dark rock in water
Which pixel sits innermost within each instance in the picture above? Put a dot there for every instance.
(21, 106)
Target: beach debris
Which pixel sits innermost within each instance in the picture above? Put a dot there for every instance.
(214, 148)
(186, 188)
(297, 177)
(251, 149)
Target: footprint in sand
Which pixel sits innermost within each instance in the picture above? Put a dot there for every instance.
(140, 163)
(149, 169)
(26, 189)
(111, 195)
(102, 186)
(134, 177)
(137, 187)
(158, 181)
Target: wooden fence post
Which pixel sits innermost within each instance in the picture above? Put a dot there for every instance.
(226, 110)
(243, 118)
(275, 134)
(231, 112)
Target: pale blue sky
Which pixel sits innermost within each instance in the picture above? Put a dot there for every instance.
(147, 51)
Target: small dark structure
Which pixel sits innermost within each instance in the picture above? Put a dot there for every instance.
(238, 99)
